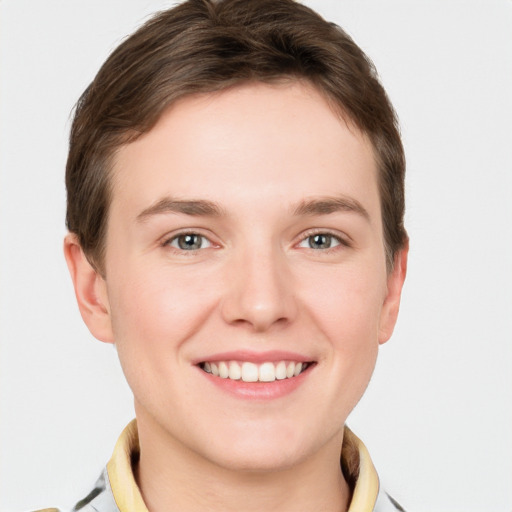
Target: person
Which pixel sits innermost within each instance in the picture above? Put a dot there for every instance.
(235, 187)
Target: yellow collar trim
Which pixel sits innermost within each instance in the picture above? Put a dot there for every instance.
(122, 481)
(128, 498)
(366, 488)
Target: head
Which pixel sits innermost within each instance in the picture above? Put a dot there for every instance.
(204, 46)
(235, 198)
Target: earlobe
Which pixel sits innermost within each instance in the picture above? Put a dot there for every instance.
(391, 304)
(90, 291)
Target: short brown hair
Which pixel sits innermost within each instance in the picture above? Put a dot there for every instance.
(203, 46)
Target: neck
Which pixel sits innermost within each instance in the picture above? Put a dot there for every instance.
(173, 478)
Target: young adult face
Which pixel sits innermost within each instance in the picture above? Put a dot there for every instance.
(244, 236)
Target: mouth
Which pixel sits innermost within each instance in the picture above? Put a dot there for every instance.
(246, 371)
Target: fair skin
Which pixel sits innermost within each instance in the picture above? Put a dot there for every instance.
(245, 227)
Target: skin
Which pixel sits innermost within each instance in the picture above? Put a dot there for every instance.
(258, 153)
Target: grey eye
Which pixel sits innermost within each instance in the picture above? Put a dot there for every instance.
(320, 241)
(189, 242)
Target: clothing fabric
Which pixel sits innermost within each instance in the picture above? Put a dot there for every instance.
(117, 491)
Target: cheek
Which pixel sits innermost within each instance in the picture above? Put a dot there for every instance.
(346, 304)
(156, 309)
(159, 297)
(153, 315)
(347, 311)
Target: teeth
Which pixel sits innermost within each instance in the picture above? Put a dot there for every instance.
(281, 370)
(267, 372)
(251, 372)
(223, 370)
(235, 372)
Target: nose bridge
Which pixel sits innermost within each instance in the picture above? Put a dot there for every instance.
(260, 289)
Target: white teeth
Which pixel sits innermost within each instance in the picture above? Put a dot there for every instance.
(267, 372)
(281, 370)
(235, 372)
(251, 372)
(223, 370)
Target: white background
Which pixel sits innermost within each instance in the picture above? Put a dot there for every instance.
(437, 417)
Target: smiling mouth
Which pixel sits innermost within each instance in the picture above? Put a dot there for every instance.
(252, 372)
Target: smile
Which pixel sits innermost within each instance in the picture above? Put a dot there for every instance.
(252, 372)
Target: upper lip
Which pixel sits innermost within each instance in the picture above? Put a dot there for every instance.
(255, 357)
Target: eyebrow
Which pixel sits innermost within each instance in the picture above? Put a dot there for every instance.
(327, 205)
(202, 207)
(194, 207)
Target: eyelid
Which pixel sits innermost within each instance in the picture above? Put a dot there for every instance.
(170, 237)
(343, 239)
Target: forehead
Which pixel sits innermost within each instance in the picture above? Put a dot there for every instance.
(247, 143)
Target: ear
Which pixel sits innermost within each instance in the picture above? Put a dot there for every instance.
(395, 282)
(90, 291)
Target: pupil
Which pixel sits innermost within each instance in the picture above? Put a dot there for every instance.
(320, 241)
(189, 242)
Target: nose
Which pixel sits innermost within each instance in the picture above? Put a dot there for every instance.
(259, 291)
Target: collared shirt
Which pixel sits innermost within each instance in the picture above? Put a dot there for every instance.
(117, 491)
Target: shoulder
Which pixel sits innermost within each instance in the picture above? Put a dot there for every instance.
(100, 499)
(385, 503)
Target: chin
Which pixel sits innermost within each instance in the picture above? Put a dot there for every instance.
(262, 460)
(259, 449)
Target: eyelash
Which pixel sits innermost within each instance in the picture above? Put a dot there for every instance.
(342, 242)
(167, 242)
(305, 238)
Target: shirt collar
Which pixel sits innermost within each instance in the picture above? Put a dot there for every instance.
(355, 461)
(122, 481)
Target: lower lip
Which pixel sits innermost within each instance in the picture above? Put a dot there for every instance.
(258, 390)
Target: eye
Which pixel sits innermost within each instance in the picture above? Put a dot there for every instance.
(320, 241)
(189, 242)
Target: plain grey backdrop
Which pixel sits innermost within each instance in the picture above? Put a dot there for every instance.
(437, 417)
